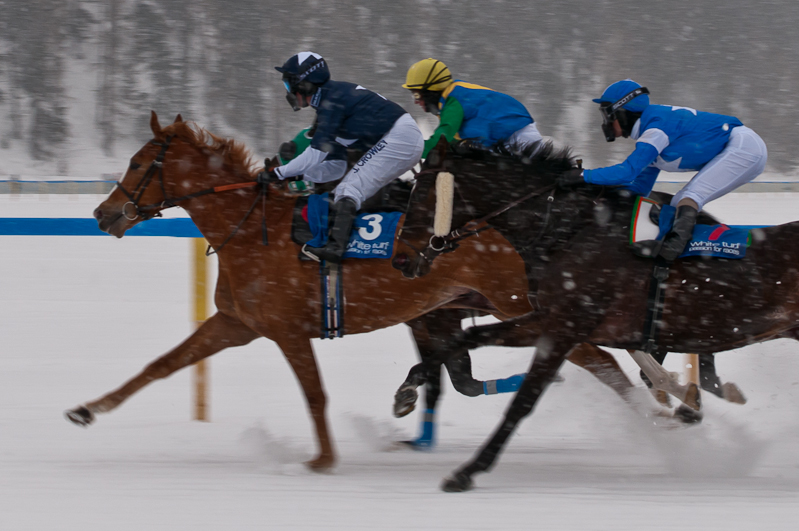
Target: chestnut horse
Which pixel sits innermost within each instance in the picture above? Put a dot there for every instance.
(264, 290)
(587, 285)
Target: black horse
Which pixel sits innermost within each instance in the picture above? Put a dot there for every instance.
(587, 286)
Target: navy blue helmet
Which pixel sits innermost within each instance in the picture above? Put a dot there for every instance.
(304, 66)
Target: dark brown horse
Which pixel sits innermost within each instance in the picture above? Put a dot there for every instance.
(264, 290)
(417, 249)
(587, 286)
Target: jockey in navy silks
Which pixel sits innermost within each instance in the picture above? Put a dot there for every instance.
(724, 153)
(469, 112)
(347, 115)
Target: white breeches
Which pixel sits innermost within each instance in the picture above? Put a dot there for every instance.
(393, 155)
(742, 159)
(522, 138)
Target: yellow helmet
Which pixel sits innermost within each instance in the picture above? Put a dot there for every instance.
(428, 74)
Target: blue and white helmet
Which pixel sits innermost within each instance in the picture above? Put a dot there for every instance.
(625, 94)
(623, 101)
(304, 66)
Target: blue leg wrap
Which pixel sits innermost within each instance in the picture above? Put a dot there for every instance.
(505, 385)
(427, 438)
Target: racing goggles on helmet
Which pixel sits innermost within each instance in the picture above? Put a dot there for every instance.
(290, 82)
(608, 111)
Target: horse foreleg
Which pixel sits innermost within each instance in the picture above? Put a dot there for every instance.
(300, 355)
(217, 333)
(406, 396)
(545, 366)
(664, 380)
(437, 335)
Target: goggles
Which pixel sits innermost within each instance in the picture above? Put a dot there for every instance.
(608, 111)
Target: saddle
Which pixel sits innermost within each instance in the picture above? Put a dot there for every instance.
(652, 221)
(384, 208)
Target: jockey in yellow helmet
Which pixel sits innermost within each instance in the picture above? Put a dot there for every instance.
(468, 111)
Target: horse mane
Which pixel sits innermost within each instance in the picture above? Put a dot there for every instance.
(542, 157)
(232, 151)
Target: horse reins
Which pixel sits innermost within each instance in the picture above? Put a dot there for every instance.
(157, 165)
(449, 242)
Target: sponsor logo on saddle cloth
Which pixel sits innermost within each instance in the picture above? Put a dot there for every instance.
(719, 241)
(372, 234)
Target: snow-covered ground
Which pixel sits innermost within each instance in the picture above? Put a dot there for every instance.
(80, 315)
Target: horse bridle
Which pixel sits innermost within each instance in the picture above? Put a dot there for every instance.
(157, 165)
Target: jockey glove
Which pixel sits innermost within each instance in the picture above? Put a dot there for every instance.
(571, 177)
(266, 177)
(287, 151)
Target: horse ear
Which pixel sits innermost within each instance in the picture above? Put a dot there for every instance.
(271, 164)
(154, 125)
(178, 118)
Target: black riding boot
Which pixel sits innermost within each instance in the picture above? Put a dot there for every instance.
(675, 241)
(339, 234)
(673, 244)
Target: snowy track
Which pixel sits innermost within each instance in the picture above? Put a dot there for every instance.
(78, 316)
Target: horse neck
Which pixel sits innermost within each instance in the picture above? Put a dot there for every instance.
(535, 223)
(218, 214)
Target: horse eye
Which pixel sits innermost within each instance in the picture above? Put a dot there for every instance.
(135, 165)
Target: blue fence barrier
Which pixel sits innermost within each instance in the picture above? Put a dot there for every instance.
(177, 227)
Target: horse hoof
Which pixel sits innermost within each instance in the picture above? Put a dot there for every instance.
(692, 397)
(731, 393)
(80, 416)
(687, 415)
(321, 464)
(460, 482)
(420, 445)
(405, 401)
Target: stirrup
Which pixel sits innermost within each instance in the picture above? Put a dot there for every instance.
(309, 254)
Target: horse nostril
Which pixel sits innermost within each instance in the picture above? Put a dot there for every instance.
(400, 260)
(98, 214)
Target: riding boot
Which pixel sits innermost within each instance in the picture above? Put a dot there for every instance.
(339, 237)
(675, 241)
(673, 244)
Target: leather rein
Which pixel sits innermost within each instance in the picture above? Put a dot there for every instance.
(153, 210)
(439, 245)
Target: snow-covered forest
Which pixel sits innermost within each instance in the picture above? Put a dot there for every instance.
(79, 77)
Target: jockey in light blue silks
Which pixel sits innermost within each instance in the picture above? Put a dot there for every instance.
(347, 115)
(724, 153)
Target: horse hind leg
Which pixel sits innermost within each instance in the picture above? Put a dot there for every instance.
(688, 394)
(710, 381)
(604, 367)
(217, 333)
